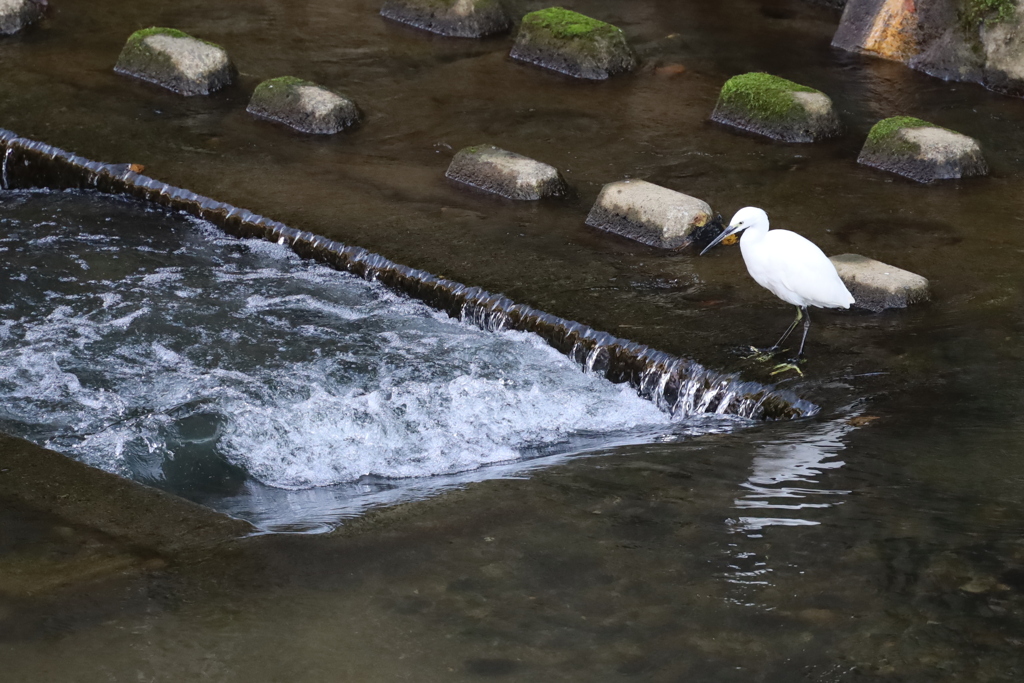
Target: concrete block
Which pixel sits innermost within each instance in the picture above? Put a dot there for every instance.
(506, 173)
(921, 151)
(649, 213)
(454, 18)
(573, 44)
(877, 286)
(176, 61)
(776, 108)
(302, 105)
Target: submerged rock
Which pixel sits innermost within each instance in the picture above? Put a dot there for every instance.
(777, 108)
(877, 286)
(176, 61)
(921, 151)
(506, 173)
(455, 18)
(17, 14)
(573, 44)
(649, 213)
(303, 105)
(981, 41)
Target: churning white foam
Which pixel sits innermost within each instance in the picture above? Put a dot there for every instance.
(296, 374)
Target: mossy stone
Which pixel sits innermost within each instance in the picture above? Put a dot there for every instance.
(175, 60)
(573, 44)
(921, 151)
(453, 18)
(777, 108)
(974, 13)
(303, 105)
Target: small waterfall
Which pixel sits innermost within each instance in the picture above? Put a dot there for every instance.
(4, 185)
(677, 385)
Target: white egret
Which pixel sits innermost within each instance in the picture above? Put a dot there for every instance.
(789, 266)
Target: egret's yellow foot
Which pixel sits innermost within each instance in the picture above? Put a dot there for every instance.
(786, 367)
(761, 355)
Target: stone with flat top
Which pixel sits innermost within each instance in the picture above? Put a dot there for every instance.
(176, 61)
(453, 18)
(649, 213)
(303, 105)
(506, 173)
(921, 151)
(877, 286)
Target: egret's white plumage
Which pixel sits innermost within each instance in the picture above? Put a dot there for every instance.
(788, 265)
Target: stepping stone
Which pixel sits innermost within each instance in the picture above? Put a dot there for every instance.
(454, 18)
(573, 44)
(303, 105)
(176, 61)
(921, 151)
(649, 213)
(506, 173)
(877, 286)
(774, 107)
(17, 14)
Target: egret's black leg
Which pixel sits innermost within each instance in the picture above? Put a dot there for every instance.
(807, 327)
(789, 330)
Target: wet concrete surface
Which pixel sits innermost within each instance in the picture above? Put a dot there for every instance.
(643, 563)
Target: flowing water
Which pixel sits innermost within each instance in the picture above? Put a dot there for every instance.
(878, 541)
(235, 374)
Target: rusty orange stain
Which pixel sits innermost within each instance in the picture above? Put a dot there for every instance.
(893, 33)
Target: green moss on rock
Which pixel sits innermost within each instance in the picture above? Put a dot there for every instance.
(283, 82)
(573, 44)
(303, 105)
(144, 33)
(974, 13)
(764, 96)
(563, 23)
(777, 108)
(886, 129)
(142, 60)
(937, 154)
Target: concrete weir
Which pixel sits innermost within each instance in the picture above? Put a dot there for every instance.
(678, 385)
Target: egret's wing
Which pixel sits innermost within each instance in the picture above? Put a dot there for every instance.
(804, 269)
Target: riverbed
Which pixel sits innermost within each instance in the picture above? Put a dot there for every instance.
(877, 541)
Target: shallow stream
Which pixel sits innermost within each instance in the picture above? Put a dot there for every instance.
(879, 541)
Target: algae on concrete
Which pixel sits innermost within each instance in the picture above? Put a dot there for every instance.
(175, 60)
(573, 44)
(777, 108)
(303, 105)
(921, 151)
(884, 134)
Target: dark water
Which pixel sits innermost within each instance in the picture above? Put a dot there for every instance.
(653, 562)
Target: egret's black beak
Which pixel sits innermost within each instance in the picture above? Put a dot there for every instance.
(728, 232)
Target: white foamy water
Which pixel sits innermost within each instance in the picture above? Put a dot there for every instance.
(225, 370)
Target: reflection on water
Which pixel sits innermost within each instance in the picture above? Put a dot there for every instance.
(783, 477)
(787, 487)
